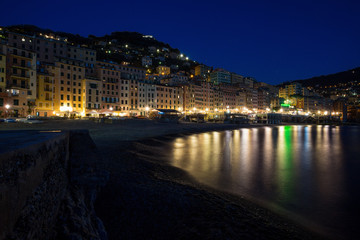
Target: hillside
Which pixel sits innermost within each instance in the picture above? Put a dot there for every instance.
(332, 79)
(121, 47)
(342, 84)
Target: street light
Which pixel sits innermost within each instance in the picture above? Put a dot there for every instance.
(7, 106)
(147, 111)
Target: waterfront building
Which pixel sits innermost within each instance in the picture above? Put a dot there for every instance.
(45, 91)
(133, 98)
(263, 100)
(169, 97)
(146, 98)
(219, 106)
(275, 103)
(317, 105)
(2, 68)
(68, 86)
(110, 78)
(251, 99)
(241, 100)
(21, 80)
(229, 96)
(91, 96)
(204, 97)
(124, 96)
(188, 97)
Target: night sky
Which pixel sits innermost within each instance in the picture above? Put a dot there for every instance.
(273, 41)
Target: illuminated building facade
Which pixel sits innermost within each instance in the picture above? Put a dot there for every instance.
(91, 96)
(163, 70)
(110, 78)
(202, 71)
(169, 97)
(68, 86)
(45, 91)
(147, 98)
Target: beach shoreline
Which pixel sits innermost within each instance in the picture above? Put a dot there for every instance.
(149, 199)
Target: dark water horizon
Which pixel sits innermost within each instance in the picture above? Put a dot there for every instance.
(308, 173)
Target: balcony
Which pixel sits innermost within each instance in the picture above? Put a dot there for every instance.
(12, 92)
(20, 75)
(48, 99)
(17, 86)
(48, 81)
(21, 66)
(47, 89)
(22, 55)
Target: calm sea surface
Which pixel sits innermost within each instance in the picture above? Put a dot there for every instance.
(309, 173)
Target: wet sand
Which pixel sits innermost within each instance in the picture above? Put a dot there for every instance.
(147, 199)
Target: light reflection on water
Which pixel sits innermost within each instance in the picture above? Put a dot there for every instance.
(311, 171)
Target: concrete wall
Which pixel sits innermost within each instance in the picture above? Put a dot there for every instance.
(33, 182)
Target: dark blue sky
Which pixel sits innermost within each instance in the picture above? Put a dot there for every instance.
(273, 41)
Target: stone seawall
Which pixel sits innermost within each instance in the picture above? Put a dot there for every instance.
(33, 181)
(48, 184)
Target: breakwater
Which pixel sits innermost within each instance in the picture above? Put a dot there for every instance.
(42, 181)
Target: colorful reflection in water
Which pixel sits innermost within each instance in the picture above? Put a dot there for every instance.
(309, 171)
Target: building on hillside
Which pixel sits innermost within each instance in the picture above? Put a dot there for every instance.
(163, 70)
(290, 89)
(146, 61)
(132, 73)
(48, 48)
(203, 71)
(249, 82)
(220, 76)
(236, 78)
(175, 79)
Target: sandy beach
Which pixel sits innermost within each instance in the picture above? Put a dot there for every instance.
(147, 199)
